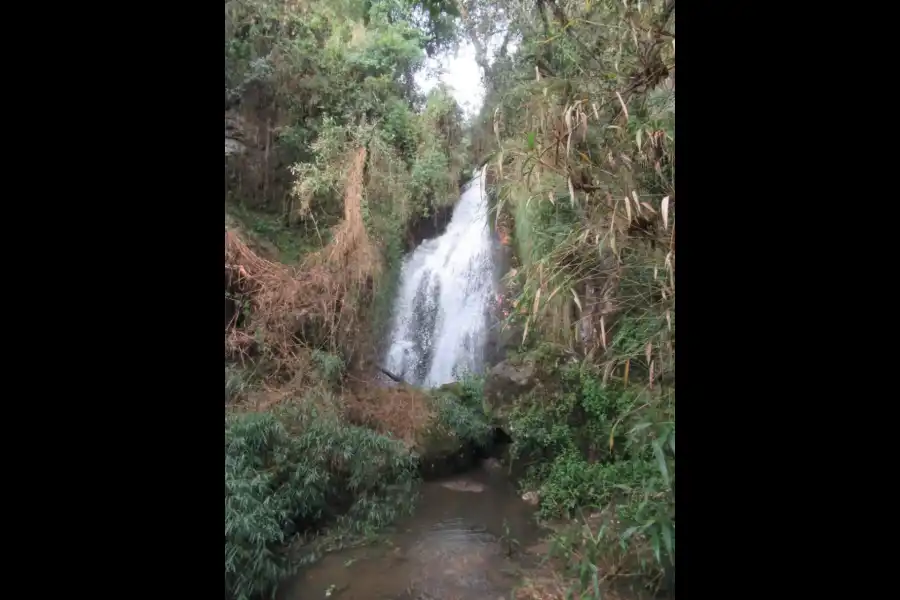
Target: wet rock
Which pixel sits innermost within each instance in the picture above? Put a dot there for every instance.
(463, 486)
(503, 385)
(531, 498)
(492, 464)
(456, 437)
(443, 453)
(421, 228)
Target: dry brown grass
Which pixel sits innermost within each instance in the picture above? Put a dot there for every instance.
(552, 587)
(293, 393)
(317, 303)
(280, 299)
(547, 583)
(351, 255)
(402, 411)
(543, 587)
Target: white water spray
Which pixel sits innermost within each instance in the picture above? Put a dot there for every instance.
(447, 285)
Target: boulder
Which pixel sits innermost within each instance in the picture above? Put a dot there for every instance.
(453, 388)
(234, 134)
(492, 464)
(449, 444)
(442, 452)
(506, 382)
(518, 374)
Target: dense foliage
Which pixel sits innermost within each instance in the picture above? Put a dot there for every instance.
(314, 78)
(292, 470)
(577, 130)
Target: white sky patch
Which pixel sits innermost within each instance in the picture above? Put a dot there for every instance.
(460, 73)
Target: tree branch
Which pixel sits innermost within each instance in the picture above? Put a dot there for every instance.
(389, 374)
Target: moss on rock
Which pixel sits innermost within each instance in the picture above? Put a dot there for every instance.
(451, 441)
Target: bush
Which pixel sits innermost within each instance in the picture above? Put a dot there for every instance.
(465, 422)
(298, 469)
(330, 367)
(600, 448)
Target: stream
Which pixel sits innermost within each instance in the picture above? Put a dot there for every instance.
(463, 542)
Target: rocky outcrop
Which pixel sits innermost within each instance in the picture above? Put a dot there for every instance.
(504, 384)
(233, 146)
(420, 228)
(443, 452)
(234, 135)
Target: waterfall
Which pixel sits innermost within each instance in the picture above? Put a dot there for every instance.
(443, 305)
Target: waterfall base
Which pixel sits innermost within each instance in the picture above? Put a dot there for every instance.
(466, 458)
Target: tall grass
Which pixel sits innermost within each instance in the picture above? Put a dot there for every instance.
(583, 157)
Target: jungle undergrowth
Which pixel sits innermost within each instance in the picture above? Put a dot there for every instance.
(294, 470)
(602, 455)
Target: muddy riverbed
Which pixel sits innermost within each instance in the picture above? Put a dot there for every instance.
(464, 541)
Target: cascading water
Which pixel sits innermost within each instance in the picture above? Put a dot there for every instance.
(442, 310)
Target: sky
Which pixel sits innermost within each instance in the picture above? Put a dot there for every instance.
(458, 71)
(461, 73)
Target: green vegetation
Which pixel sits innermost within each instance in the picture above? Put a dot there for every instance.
(308, 475)
(340, 155)
(310, 87)
(282, 243)
(602, 450)
(464, 420)
(578, 128)
(290, 471)
(316, 79)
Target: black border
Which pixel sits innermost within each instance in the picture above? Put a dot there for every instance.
(736, 125)
(161, 249)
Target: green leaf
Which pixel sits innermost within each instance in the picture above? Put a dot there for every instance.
(530, 140)
(639, 427)
(667, 538)
(661, 461)
(654, 541)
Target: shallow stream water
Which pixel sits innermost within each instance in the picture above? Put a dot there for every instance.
(464, 541)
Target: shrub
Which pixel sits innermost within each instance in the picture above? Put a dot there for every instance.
(297, 469)
(603, 449)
